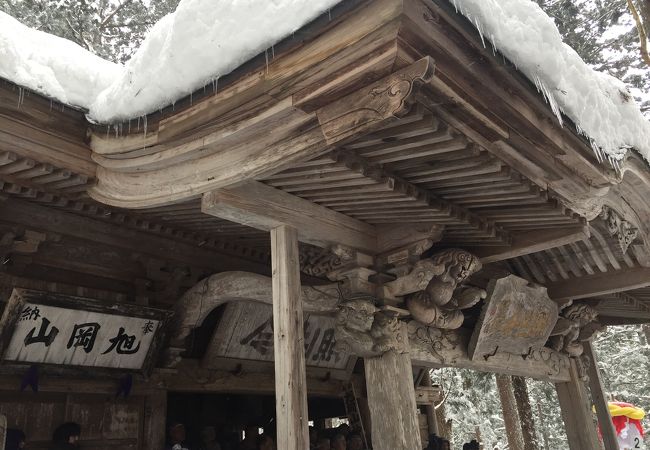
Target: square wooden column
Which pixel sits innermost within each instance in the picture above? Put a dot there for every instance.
(607, 429)
(391, 400)
(289, 341)
(576, 412)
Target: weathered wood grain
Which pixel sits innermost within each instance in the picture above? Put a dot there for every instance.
(605, 424)
(576, 412)
(289, 340)
(437, 348)
(259, 206)
(391, 399)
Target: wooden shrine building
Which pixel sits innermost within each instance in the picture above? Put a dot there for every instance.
(381, 196)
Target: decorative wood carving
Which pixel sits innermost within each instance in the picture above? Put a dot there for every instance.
(363, 330)
(218, 289)
(516, 318)
(390, 97)
(438, 295)
(577, 324)
(619, 228)
(318, 262)
(330, 262)
(437, 341)
(432, 347)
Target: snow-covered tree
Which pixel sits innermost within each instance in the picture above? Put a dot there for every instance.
(604, 34)
(112, 29)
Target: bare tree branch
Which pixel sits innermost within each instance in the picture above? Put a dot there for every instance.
(112, 14)
(643, 38)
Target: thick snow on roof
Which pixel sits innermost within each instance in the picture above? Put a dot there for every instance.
(51, 65)
(205, 39)
(597, 103)
(200, 41)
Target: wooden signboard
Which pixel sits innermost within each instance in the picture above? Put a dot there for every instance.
(44, 328)
(245, 331)
(517, 318)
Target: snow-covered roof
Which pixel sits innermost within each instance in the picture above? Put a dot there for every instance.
(599, 104)
(205, 39)
(52, 66)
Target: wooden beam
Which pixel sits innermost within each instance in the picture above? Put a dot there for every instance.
(600, 284)
(607, 430)
(289, 340)
(55, 221)
(391, 399)
(434, 349)
(527, 242)
(260, 206)
(576, 412)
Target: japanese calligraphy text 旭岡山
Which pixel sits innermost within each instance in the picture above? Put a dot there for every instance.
(53, 335)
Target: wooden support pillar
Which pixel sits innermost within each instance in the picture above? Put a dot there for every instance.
(607, 430)
(510, 416)
(391, 399)
(525, 412)
(155, 420)
(432, 421)
(289, 340)
(576, 412)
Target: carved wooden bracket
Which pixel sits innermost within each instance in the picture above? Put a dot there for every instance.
(619, 228)
(363, 330)
(330, 262)
(433, 347)
(577, 323)
(357, 113)
(436, 287)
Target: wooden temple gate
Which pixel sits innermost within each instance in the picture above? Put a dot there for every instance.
(384, 194)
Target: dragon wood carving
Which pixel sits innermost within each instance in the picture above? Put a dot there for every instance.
(441, 302)
(619, 228)
(363, 330)
(577, 324)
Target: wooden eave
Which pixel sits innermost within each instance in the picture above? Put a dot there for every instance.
(471, 147)
(276, 107)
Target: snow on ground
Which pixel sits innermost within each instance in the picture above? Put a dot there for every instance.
(205, 39)
(50, 65)
(598, 104)
(201, 41)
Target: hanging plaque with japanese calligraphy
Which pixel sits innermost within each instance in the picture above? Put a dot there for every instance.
(73, 331)
(245, 331)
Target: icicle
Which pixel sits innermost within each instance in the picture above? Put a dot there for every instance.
(20, 95)
(108, 131)
(115, 128)
(50, 104)
(266, 56)
(129, 126)
(272, 52)
(541, 87)
(144, 120)
(329, 13)
(191, 101)
(138, 123)
(480, 32)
